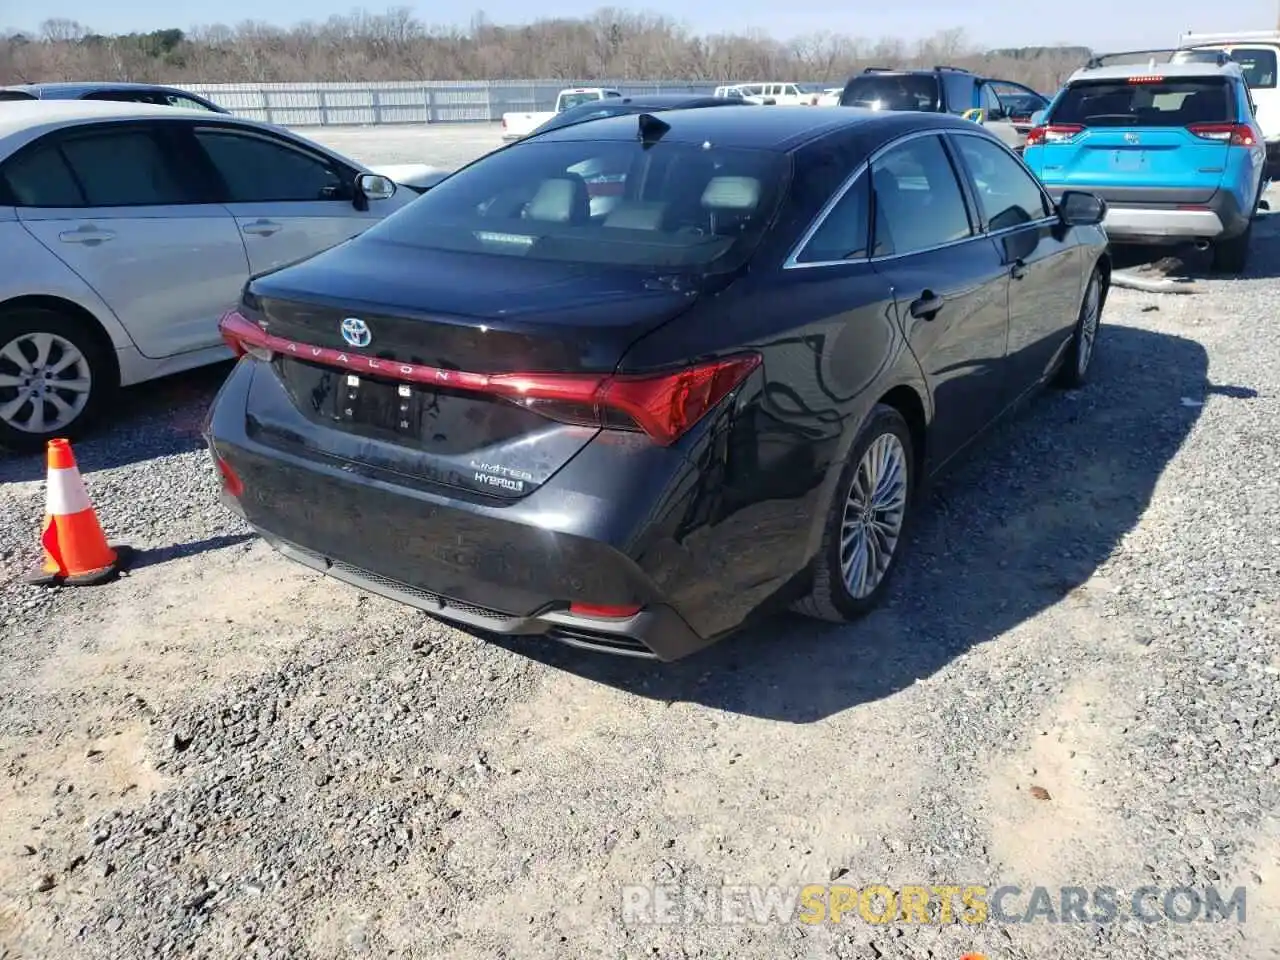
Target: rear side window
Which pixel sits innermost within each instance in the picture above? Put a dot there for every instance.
(116, 168)
(918, 201)
(16, 95)
(1258, 64)
(961, 92)
(125, 168)
(1166, 103)
(907, 91)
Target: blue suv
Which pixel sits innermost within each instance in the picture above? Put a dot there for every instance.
(1170, 143)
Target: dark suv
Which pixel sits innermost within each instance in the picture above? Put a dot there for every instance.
(945, 90)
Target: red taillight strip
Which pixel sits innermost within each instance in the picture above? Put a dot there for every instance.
(663, 405)
(1234, 134)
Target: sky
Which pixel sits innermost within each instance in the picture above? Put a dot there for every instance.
(1099, 24)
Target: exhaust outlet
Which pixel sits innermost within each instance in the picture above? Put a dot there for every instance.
(1202, 245)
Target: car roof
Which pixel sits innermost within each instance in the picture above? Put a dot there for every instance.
(665, 99)
(1173, 71)
(780, 128)
(89, 86)
(22, 115)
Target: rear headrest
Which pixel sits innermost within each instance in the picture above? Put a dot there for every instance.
(731, 193)
(560, 200)
(636, 216)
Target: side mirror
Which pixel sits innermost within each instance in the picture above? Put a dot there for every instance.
(1037, 118)
(1080, 209)
(373, 186)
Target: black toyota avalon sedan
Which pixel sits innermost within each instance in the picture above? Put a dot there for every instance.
(634, 382)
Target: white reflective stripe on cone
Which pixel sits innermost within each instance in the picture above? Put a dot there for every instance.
(66, 493)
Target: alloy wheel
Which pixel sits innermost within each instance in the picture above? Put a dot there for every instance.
(45, 382)
(1089, 324)
(874, 513)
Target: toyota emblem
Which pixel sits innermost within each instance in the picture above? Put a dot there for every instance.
(356, 332)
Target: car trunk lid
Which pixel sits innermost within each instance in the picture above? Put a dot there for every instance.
(461, 371)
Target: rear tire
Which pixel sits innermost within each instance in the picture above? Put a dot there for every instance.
(1074, 371)
(866, 522)
(1232, 256)
(55, 377)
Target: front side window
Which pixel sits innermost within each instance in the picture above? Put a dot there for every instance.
(918, 201)
(1176, 102)
(1007, 193)
(258, 170)
(616, 203)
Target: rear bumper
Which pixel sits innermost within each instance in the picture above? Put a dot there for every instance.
(1156, 215)
(507, 568)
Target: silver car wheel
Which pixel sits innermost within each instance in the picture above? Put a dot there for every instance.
(873, 515)
(45, 382)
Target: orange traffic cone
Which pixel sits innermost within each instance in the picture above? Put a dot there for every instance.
(76, 552)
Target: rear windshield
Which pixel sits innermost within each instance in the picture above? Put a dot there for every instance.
(677, 206)
(909, 91)
(1258, 64)
(1168, 103)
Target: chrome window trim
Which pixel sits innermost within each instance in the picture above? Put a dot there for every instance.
(792, 262)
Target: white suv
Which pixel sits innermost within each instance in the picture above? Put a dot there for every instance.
(1258, 53)
(128, 229)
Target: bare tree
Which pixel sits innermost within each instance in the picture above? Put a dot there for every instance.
(614, 44)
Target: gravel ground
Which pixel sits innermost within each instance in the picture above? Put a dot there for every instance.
(1074, 684)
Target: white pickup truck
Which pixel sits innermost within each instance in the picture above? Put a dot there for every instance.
(518, 125)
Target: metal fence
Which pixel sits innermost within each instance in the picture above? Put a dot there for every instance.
(336, 104)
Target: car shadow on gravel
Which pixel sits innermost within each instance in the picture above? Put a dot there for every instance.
(1025, 520)
(155, 419)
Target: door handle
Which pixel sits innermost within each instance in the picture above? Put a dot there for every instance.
(262, 228)
(1018, 270)
(86, 234)
(927, 305)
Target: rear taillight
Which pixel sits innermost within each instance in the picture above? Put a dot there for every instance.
(601, 612)
(1232, 134)
(1053, 133)
(662, 405)
(232, 329)
(230, 480)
